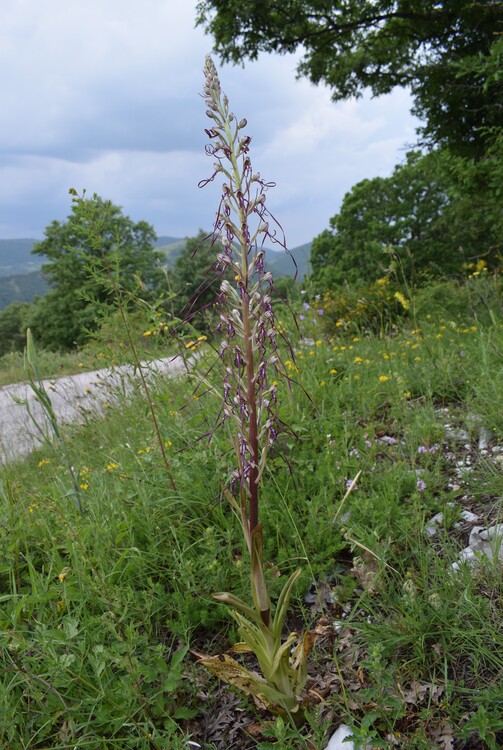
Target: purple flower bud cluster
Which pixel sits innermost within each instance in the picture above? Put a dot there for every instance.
(249, 349)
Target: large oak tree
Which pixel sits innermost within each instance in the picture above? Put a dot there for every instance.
(435, 213)
(437, 49)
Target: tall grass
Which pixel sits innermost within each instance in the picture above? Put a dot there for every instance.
(97, 609)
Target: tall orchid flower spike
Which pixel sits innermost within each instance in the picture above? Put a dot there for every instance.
(251, 366)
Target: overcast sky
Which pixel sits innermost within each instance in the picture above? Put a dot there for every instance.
(104, 95)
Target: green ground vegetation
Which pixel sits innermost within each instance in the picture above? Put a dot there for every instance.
(102, 612)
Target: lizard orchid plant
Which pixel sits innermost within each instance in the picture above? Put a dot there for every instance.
(252, 366)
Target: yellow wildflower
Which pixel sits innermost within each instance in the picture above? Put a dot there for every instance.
(383, 378)
(402, 299)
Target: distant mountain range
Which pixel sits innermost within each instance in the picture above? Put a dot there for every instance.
(21, 279)
(278, 262)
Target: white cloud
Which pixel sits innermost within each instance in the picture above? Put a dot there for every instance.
(105, 95)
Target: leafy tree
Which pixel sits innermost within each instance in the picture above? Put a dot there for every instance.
(195, 279)
(95, 255)
(436, 49)
(433, 212)
(13, 324)
(286, 288)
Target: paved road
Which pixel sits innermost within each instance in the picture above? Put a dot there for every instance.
(73, 397)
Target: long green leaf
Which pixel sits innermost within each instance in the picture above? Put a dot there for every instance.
(239, 604)
(283, 603)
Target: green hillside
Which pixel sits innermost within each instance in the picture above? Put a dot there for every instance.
(281, 264)
(278, 261)
(164, 241)
(21, 279)
(171, 249)
(21, 288)
(16, 257)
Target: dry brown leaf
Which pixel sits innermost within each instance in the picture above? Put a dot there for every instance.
(257, 729)
(366, 570)
(444, 736)
(320, 596)
(418, 692)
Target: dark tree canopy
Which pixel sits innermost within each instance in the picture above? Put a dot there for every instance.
(435, 213)
(435, 48)
(195, 280)
(13, 327)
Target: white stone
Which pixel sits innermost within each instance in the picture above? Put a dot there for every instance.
(475, 542)
(457, 435)
(431, 526)
(467, 515)
(340, 740)
(493, 531)
(467, 555)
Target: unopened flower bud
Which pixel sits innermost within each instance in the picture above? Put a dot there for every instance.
(225, 287)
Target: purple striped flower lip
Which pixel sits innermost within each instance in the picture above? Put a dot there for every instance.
(249, 347)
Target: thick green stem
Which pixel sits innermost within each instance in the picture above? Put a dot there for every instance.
(252, 418)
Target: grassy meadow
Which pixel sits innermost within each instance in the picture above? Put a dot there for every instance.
(103, 613)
